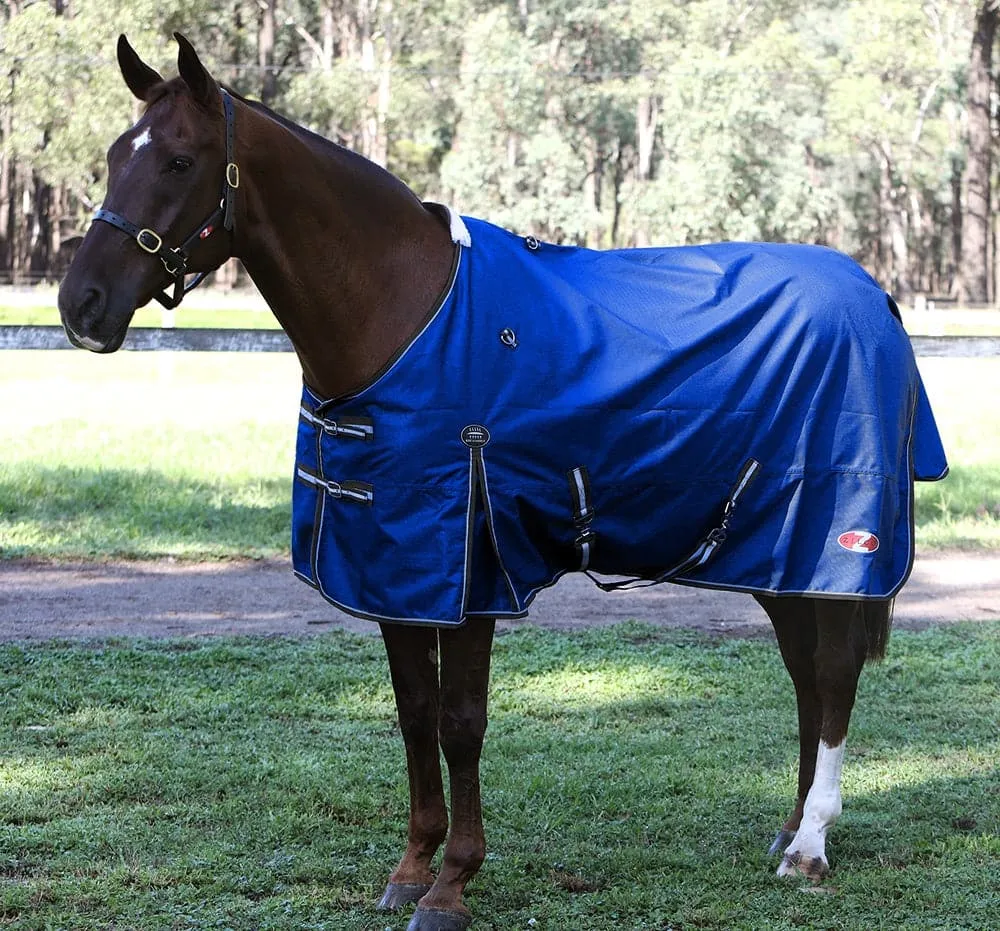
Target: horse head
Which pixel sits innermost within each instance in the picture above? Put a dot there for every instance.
(168, 208)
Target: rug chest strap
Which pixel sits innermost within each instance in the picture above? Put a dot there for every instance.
(358, 428)
(359, 492)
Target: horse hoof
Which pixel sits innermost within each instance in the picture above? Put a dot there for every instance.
(781, 841)
(439, 919)
(814, 869)
(397, 895)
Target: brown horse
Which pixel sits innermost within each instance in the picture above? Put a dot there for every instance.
(351, 263)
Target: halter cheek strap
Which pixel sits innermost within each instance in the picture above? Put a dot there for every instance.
(175, 260)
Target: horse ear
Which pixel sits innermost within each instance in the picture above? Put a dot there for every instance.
(193, 73)
(137, 74)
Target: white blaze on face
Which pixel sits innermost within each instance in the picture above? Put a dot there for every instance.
(141, 139)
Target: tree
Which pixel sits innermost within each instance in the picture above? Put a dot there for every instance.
(974, 277)
(742, 97)
(857, 123)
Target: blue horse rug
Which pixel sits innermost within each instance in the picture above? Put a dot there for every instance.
(740, 416)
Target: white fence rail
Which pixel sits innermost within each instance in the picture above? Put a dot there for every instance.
(144, 339)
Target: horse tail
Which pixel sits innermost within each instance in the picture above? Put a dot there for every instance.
(878, 623)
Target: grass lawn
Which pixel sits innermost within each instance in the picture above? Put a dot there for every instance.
(633, 780)
(202, 308)
(207, 308)
(964, 509)
(152, 317)
(633, 777)
(191, 454)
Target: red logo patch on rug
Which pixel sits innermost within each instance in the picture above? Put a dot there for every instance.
(858, 541)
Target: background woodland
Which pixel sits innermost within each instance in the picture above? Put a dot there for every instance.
(867, 125)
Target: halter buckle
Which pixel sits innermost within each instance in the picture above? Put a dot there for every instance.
(233, 175)
(174, 261)
(149, 241)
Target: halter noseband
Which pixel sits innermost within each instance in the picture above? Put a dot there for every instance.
(175, 260)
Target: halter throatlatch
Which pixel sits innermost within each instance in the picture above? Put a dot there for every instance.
(175, 259)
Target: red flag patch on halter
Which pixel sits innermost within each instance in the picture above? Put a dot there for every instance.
(206, 232)
(858, 541)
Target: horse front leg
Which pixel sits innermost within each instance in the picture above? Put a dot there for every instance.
(465, 673)
(841, 647)
(413, 664)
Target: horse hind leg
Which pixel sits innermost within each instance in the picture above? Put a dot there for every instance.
(413, 664)
(794, 623)
(847, 634)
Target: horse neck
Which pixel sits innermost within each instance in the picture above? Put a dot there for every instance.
(348, 259)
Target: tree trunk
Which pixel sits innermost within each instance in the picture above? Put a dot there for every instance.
(6, 171)
(618, 182)
(593, 188)
(40, 254)
(265, 52)
(884, 270)
(20, 244)
(893, 240)
(328, 36)
(235, 42)
(973, 274)
(646, 114)
(376, 61)
(349, 31)
(956, 224)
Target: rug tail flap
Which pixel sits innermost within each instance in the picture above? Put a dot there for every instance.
(930, 463)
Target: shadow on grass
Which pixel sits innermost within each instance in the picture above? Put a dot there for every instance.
(66, 511)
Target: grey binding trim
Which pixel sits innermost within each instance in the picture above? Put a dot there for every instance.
(397, 357)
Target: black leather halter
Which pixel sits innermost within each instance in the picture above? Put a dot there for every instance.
(175, 259)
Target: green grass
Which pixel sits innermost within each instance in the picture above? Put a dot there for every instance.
(633, 779)
(191, 454)
(194, 317)
(205, 308)
(964, 509)
(183, 454)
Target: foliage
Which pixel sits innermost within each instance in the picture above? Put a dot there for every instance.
(590, 122)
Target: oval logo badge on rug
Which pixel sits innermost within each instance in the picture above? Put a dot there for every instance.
(475, 436)
(858, 541)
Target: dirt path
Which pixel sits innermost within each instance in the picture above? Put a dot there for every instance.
(40, 600)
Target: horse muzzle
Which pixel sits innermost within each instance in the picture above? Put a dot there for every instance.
(90, 316)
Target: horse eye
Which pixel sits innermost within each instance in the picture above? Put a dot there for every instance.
(179, 164)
